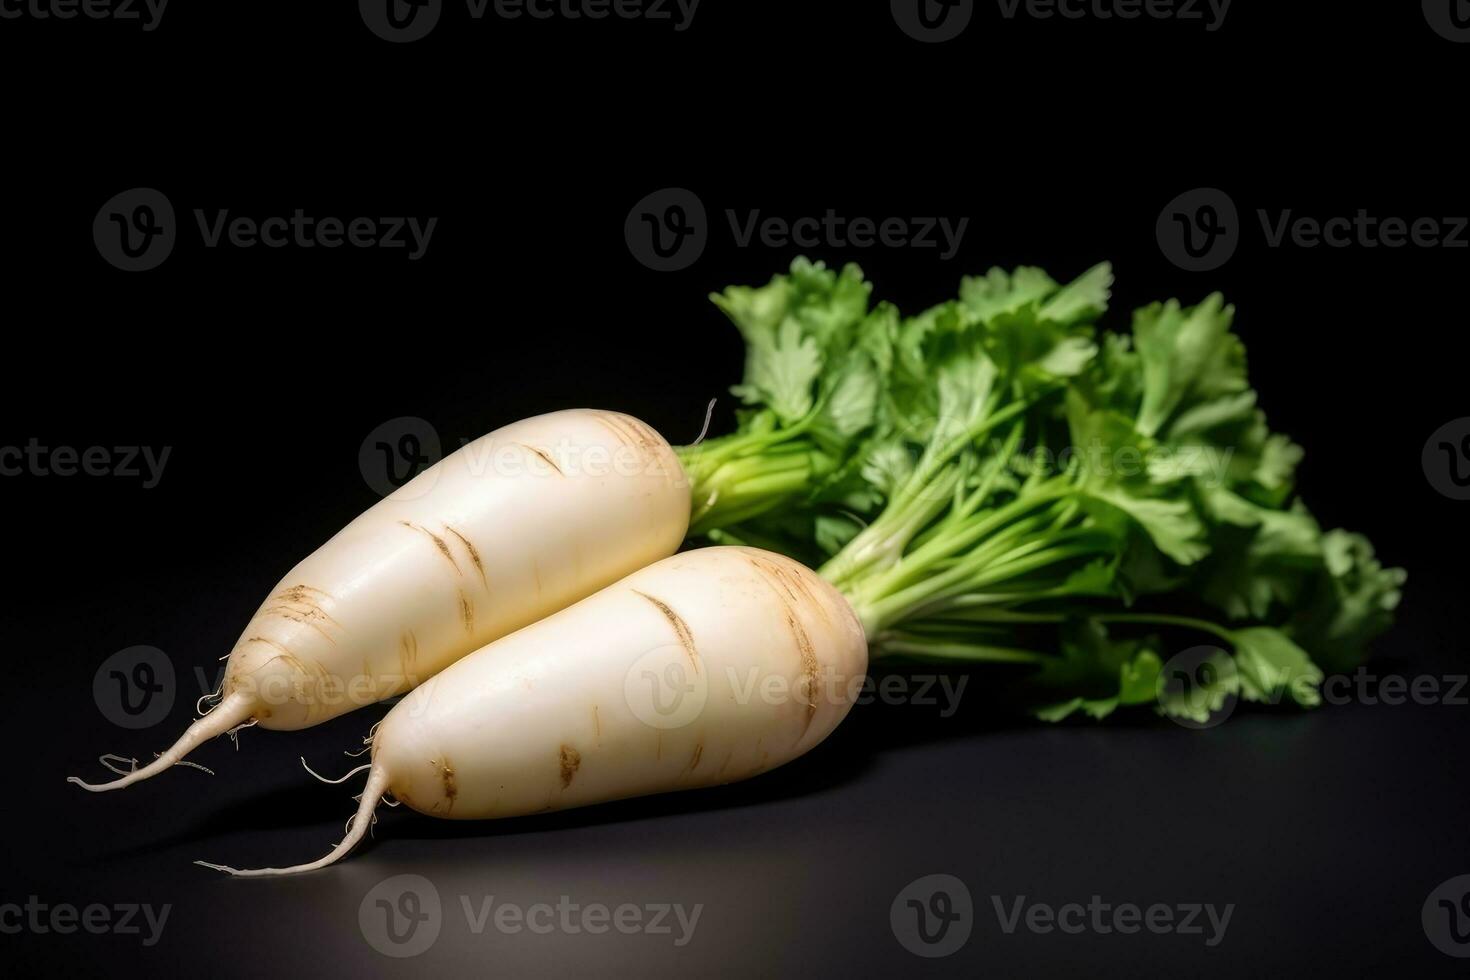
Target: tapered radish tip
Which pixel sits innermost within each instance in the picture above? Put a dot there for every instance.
(218, 867)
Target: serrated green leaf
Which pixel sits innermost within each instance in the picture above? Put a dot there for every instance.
(1272, 666)
(1170, 524)
(1188, 356)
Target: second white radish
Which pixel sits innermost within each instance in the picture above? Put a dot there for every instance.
(708, 667)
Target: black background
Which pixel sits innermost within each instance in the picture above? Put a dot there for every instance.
(265, 369)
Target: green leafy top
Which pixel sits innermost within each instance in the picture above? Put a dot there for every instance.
(997, 464)
(796, 328)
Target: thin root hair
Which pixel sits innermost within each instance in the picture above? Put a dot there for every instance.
(341, 779)
(709, 413)
(358, 828)
(234, 733)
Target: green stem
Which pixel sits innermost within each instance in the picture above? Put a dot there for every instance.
(730, 485)
(933, 572)
(1186, 622)
(925, 494)
(881, 543)
(880, 612)
(713, 453)
(1150, 619)
(935, 460)
(922, 561)
(949, 650)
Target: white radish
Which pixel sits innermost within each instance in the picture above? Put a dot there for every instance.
(705, 668)
(518, 524)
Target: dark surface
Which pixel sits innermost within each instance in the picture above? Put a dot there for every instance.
(265, 370)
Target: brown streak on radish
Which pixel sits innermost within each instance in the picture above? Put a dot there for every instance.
(451, 786)
(297, 595)
(647, 438)
(596, 724)
(773, 576)
(270, 643)
(298, 617)
(808, 665)
(805, 650)
(681, 628)
(618, 425)
(448, 783)
(791, 582)
(698, 752)
(796, 580)
(545, 457)
(466, 612)
(301, 590)
(571, 760)
(474, 555)
(408, 652)
(439, 543)
(608, 424)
